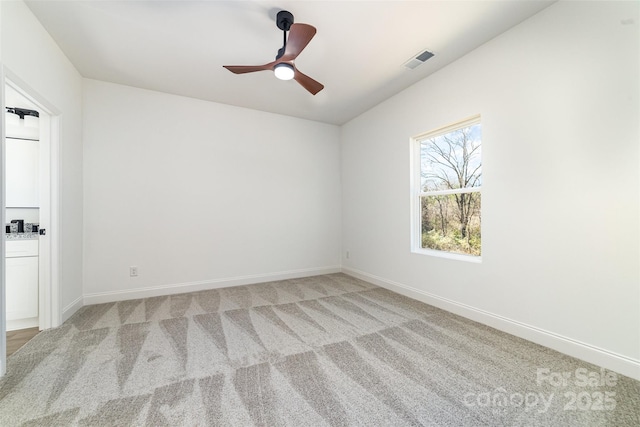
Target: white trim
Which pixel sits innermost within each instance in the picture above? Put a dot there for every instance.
(415, 204)
(14, 325)
(53, 316)
(3, 215)
(448, 255)
(608, 359)
(178, 288)
(69, 310)
(469, 121)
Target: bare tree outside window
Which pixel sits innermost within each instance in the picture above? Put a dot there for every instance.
(450, 184)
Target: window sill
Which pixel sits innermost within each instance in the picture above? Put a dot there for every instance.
(448, 255)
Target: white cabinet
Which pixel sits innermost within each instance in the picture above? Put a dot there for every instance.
(23, 180)
(22, 279)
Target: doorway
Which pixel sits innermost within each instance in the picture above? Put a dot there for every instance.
(29, 210)
(22, 197)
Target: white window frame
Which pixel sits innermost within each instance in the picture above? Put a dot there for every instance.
(417, 193)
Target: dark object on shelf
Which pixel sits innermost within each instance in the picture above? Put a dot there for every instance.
(7, 229)
(20, 223)
(22, 112)
(34, 228)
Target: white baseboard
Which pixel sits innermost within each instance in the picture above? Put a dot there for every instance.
(587, 352)
(70, 309)
(179, 288)
(17, 324)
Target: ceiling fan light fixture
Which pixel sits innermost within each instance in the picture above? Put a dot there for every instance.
(284, 71)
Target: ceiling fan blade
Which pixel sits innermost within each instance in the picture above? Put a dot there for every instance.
(307, 82)
(241, 69)
(299, 37)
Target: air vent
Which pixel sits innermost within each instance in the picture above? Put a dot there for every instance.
(419, 59)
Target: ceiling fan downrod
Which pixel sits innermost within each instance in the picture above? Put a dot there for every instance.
(284, 20)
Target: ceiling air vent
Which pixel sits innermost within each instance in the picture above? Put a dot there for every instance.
(418, 59)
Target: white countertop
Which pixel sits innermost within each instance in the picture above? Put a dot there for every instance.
(21, 236)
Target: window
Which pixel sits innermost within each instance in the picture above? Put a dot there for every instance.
(447, 179)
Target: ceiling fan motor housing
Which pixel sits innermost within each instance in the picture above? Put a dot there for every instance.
(284, 19)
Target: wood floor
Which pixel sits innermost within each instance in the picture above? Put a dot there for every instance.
(16, 339)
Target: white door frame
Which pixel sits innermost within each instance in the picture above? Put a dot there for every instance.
(50, 311)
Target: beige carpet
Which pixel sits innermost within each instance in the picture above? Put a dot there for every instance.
(327, 350)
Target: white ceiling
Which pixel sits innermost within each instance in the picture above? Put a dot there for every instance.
(358, 53)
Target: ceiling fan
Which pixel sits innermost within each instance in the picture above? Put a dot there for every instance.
(284, 67)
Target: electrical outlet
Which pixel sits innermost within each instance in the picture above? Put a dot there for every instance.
(133, 271)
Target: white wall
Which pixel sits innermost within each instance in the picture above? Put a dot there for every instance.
(558, 95)
(29, 53)
(199, 194)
